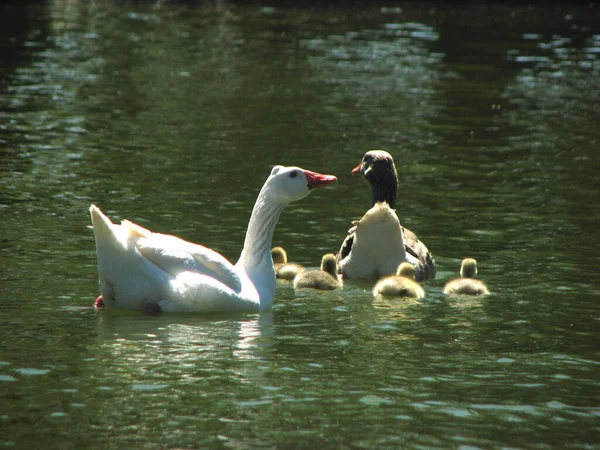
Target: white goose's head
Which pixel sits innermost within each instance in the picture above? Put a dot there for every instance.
(289, 184)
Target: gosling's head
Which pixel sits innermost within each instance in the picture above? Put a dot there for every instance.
(279, 255)
(329, 264)
(406, 270)
(468, 268)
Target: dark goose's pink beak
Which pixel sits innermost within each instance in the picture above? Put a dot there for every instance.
(317, 179)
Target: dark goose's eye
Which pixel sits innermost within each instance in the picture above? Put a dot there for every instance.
(293, 174)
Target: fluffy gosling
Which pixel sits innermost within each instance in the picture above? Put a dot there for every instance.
(283, 269)
(326, 279)
(466, 284)
(402, 284)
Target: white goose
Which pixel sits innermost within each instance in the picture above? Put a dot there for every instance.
(377, 244)
(142, 270)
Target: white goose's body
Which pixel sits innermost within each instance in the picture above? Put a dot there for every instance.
(142, 270)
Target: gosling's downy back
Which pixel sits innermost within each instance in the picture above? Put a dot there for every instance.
(467, 284)
(403, 284)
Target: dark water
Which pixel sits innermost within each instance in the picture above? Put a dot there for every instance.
(173, 114)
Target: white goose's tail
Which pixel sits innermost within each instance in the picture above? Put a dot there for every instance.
(104, 230)
(113, 235)
(125, 277)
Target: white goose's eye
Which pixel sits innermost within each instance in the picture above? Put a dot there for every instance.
(293, 174)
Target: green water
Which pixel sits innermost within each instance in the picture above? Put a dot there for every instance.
(172, 115)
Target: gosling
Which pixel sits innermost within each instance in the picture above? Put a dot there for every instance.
(402, 284)
(283, 269)
(326, 279)
(467, 284)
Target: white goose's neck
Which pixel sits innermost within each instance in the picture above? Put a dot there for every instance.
(256, 255)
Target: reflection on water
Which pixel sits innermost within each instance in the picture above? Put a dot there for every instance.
(172, 115)
(169, 350)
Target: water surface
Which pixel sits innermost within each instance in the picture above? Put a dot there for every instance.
(172, 115)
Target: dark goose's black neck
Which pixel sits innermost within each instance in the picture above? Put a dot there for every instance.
(384, 185)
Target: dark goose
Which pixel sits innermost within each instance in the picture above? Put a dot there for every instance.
(377, 244)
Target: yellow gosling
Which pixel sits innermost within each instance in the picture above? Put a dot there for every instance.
(326, 279)
(467, 284)
(402, 284)
(283, 269)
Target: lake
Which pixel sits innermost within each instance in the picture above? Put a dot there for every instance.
(172, 114)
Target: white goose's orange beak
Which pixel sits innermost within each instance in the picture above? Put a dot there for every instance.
(315, 179)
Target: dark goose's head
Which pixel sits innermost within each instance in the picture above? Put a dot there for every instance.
(377, 166)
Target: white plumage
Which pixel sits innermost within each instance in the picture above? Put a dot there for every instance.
(142, 270)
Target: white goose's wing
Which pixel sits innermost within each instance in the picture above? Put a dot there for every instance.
(174, 255)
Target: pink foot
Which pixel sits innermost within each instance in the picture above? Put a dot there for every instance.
(99, 303)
